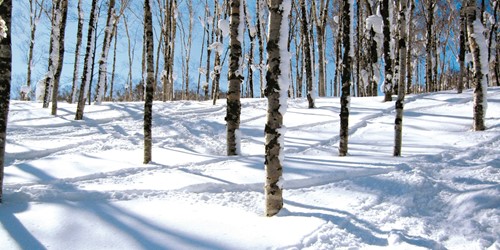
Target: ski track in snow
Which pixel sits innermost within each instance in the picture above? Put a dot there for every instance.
(198, 129)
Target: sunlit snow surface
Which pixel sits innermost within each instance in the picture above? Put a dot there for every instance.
(82, 185)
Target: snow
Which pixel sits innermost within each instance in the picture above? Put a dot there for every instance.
(217, 46)
(224, 27)
(82, 185)
(375, 22)
(482, 44)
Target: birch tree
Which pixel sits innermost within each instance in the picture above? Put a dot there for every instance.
(36, 10)
(103, 61)
(187, 41)
(307, 51)
(384, 7)
(478, 48)
(492, 41)
(148, 104)
(461, 53)
(374, 25)
(203, 46)
(218, 47)
(345, 98)
(260, 4)
(429, 77)
(320, 22)
(5, 79)
(235, 77)
(87, 67)
(123, 6)
(130, 53)
(398, 123)
(276, 91)
(76, 67)
(56, 51)
(62, 28)
(409, 69)
(169, 32)
(252, 32)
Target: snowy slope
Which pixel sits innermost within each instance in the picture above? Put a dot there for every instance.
(82, 185)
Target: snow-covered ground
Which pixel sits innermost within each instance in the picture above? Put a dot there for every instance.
(82, 185)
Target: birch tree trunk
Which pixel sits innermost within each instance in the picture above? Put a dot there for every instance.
(148, 104)
(320, 22)
(461, 53)
(395, 54)
(203, 46)
(429, 78)
(88, 64)
(338, 57)
(170, 29)
(398, 123)
(189, 45)
(36, 10)
(53, 53)
(307, 54)
(346, 76)
(492, 36)
(409, 70)
(387, 51)
(62, 28)
(360, 88)
(113, 68)
(372, 56)
(77, 52)
(217, 62)
(235, 77)
(128, 86)
(478, 48)
(5, 80)
(276, 92)
(210, 40)
(251, 35)
(261, 38)
(103, 62)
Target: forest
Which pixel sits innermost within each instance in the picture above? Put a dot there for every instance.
(188, 41)
(220, 83)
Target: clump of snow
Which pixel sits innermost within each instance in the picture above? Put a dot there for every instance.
(482, 44)
(281, 142)
(217, 46)
(375, 22)
(224, 27)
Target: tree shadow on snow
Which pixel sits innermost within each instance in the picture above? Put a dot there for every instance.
(14, 227)
(362, 229)
(140, 228)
